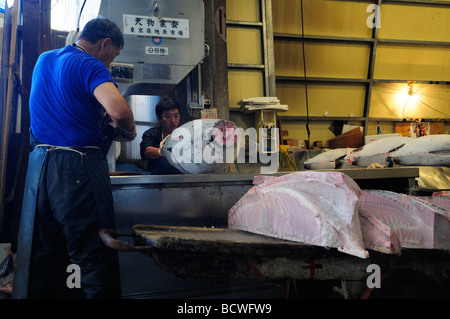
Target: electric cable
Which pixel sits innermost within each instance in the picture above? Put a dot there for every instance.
(306, 78)
(433, 108)
(79, 16)
(420, 100)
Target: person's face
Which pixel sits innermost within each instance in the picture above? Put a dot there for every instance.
(169, 120)
(108, 52)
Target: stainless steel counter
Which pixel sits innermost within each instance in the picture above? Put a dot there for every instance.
(204, 200)
(433, 178)
(355, 173)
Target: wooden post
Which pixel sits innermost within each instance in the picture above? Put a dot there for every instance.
(11, 42)
(215, 66)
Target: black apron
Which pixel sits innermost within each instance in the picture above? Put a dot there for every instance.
(67, 200)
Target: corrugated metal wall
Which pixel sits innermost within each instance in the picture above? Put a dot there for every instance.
(143, 107)
(64, 14)
(64, 18)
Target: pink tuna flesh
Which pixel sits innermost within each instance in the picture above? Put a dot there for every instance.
(417, 223)
(317, 208)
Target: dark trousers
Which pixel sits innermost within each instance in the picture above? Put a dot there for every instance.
(73, 202)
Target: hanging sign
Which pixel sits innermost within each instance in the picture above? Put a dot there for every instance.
(155, 26)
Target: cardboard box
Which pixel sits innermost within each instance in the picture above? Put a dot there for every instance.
(353, 138)
(419, 128)
(208, 113)
(292, 142)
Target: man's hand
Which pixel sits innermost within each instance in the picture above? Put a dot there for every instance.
(124, 136)
(161, 145)
(115, 106)
(117, 134)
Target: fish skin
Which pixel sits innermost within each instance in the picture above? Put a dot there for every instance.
(327, 160)
(202, 132)
(430, 150)
(377, 151)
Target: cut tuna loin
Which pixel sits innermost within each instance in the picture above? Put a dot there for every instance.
(316, 208)
(440, 199)
(416, 222)
(377, 234)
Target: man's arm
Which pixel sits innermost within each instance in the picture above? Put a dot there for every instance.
(151, 152)
(150, 144)
(115, 105)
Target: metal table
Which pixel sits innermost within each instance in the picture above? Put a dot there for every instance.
(218, 253)
(199, 201)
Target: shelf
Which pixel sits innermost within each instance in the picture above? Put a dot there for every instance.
(416, 2)
(246, 66)
(294, 37)
(320, 118)
(322, 38)
(351, 118)
(248, 24)
(413, 42)
(319, 79)
(347, 80)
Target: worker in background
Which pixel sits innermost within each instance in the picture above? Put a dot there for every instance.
(168, 114)
(68, 196)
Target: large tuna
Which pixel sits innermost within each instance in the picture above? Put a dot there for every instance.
(376, 152)
(329, 159)
(202, 146)
(431, 150)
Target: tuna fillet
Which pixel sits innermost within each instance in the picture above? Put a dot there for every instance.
(440, 199)
(377, 234)
(416, 222)
(316, 208)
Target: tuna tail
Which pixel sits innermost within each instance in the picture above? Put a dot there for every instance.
(390, 160)
(352, 159)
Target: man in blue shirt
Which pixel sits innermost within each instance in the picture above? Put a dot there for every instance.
(68, 196)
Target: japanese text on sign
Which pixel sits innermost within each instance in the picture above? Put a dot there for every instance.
(153, 26)
(157, 50)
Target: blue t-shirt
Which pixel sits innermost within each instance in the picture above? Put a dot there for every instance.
(63, 108)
